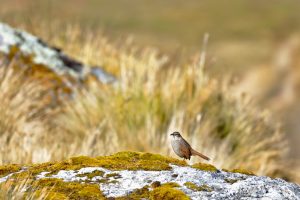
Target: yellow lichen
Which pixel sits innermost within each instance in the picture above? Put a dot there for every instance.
(205, 167)
(160, 191)
(119, 161)
(138, 161)
(155, 184)
(114, 175)
(92, 174)
(195, 187)
(231, 181)
(167, 193)
(8, 169)
(241, 171)
(68, 190)
(171, 184)
(58, 189)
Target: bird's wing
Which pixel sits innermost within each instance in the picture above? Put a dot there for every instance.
(186, 143)
(185, 148)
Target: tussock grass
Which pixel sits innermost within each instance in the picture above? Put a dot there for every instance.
(22, 117)
(21, 189)
(154, 96)
(152, 100)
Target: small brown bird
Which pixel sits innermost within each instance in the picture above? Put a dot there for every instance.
(182, 148)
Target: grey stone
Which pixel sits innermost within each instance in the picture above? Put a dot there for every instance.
(245, 186)
(51, 57)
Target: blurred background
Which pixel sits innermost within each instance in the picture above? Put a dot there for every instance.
(254, 44)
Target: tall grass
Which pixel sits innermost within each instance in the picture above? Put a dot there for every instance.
(153, 97)
(20, 190)
(23, 116)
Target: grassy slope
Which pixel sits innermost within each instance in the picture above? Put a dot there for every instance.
(246, 28)
(167, 96)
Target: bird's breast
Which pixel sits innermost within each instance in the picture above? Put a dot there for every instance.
(176, 147)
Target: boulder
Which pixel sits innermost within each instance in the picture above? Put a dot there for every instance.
(43, 54)
(134, 175)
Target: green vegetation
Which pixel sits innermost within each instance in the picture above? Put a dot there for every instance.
(108, 117)
(166, 191)
(205, 167)
(52, 188)
(231, 181)
(67, 190)
(114, 175)
(156, 93)
(195, 187)
(119, 161)
(8, 169)
(92, 174)
(241, 171)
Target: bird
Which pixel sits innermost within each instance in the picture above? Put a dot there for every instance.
(182, 148)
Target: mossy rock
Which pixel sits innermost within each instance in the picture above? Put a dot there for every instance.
(231, 181)
(92, 174)
(205, 167)
(241, 171)
(8, 169)
(120, 161)
(194, 187)
(166, 191)
(66, 190)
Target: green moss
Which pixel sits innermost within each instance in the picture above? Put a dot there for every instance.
(205, 167)
(8, 169)
(171, 184)
(92, 174)
(241, 171)
(67, 190)
(105, 179)
(195, 187)
(121, 161)
(167, 193)
(114, 175)
(164, 191)
(231, 181)
(192, 186)
(142, 193)
(155, 184)
(138, 161)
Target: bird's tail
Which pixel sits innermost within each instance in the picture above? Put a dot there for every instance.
(199, 154)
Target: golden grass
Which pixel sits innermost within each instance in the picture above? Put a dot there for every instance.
(20, 190)
(23, 116)
(152, 100)
(154, 96)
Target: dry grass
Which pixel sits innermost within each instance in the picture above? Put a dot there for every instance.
(154, 97)
(23, 116)
(20, 190)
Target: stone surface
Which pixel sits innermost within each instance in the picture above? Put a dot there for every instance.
(223, 185)
(42, 53)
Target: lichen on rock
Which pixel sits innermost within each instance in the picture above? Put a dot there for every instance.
(42, 54)
(136, 175)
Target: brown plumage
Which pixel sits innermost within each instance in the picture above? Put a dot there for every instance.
(183, 149)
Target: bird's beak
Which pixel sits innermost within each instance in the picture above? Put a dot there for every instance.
(172, 134)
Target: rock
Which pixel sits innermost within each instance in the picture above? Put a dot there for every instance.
(149, 176)
(43, 54)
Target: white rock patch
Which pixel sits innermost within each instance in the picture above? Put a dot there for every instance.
(246, 187)
(52, 58)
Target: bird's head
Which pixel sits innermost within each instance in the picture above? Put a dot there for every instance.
(176, 134)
